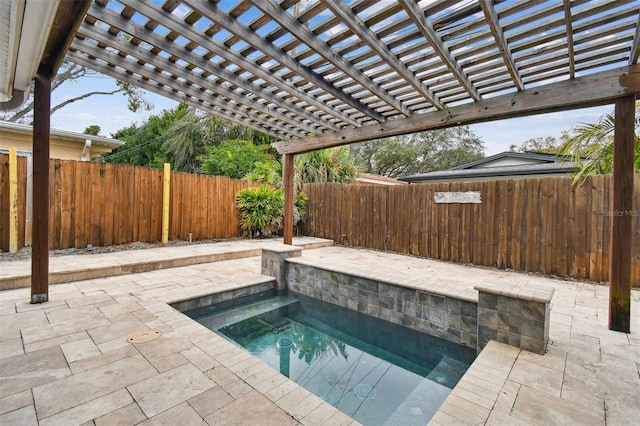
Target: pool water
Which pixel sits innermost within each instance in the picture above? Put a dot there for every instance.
(377, 372)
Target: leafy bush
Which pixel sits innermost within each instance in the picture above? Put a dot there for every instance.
(261, 210)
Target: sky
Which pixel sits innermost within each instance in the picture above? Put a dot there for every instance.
(111, 114)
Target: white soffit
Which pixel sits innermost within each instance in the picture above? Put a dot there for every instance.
(25, 28)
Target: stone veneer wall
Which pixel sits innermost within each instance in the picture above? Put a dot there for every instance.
(441, 316)
(273, 262)
(223, 296)
(516, 316)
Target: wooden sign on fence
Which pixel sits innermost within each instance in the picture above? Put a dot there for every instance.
(468, 197)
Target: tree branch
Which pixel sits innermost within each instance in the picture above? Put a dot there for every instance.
(81, 97)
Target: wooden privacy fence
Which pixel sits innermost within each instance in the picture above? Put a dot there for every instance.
(542, 225)
(103, 204)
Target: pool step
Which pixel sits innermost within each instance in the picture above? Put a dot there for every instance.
(233, 315)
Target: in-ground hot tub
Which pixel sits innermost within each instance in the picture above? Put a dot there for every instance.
(375, 371)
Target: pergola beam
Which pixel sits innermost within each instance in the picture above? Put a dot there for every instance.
(289, 183)
(213, 13)
(166, 91)
(621, 229)
(217, 48)
(587, 91)
(306, 36)
(41, 152)
(182, 87)
(358, 26)
(194, 78)
(569, 26)
(67, 19)
(496, 30)
(426, 28)
(635, 47)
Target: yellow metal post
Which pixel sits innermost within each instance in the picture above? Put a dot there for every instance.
(13, 200)
(166, 191)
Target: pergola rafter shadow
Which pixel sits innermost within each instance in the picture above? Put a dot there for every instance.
(322, 73)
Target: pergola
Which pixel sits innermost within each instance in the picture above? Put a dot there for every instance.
(324, 73)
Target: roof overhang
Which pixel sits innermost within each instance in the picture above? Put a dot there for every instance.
(25, 129)
(491, 172)
(24, 32)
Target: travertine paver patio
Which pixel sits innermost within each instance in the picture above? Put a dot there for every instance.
(68, 361)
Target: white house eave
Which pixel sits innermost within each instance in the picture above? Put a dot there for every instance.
(30, 22)
(8, 126)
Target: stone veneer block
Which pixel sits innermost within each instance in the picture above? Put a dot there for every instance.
(274, 265)
(517, 316)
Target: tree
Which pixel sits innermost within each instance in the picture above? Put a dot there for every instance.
(233, 158)
(70, 73)
(93, 130)
(326, 165)
(549, 144)
(185, 141)
(144, 142)
(591, 147)
(418, 153)
(180, 136)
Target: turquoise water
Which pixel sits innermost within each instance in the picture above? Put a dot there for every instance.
(376, 372)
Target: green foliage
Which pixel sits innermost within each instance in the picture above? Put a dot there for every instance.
(235, 158)
(418, 153)
(185, 141)
(591, 146)
(93, 130)
(143, 145)
(549, 144)
(326, 165)
(300, 207)
(260, 210)
(269, 171)
(180, 136)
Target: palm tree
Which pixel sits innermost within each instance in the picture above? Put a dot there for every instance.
(326, 165)
(591, 147)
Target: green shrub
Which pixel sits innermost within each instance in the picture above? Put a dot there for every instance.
(261, 210)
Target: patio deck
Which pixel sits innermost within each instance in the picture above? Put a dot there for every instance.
(68, 361)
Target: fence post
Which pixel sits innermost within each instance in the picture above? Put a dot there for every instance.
(166, 190)
(13, 200)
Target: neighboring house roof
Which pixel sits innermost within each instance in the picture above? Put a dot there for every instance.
(512, 158)
(507, 164)
(367, 178)
(63, 134)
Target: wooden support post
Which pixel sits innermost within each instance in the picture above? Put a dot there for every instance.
(40, 247)
(166, 192)
(620, 273)
(289, 193)
(13, 200)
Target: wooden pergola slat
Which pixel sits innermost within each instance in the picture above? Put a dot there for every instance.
(429, 33)
(352, 21)
(494, 24)
(213, 13)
